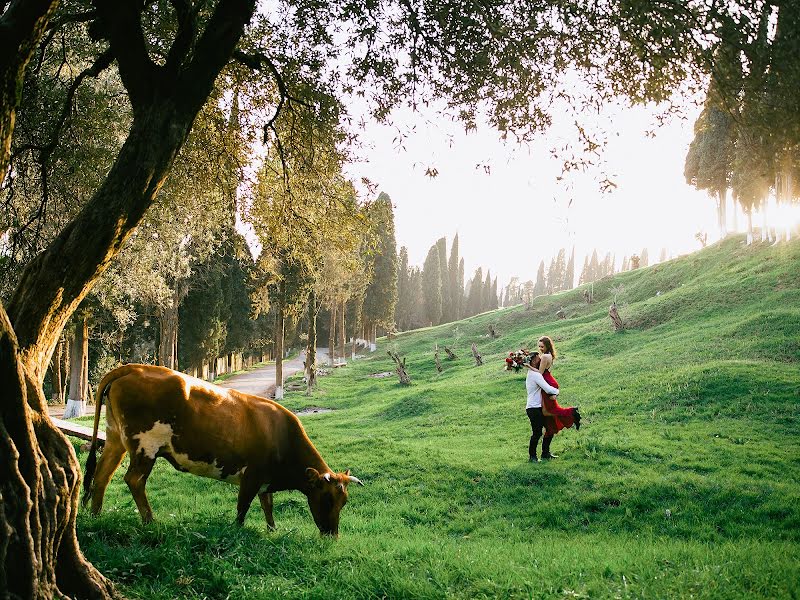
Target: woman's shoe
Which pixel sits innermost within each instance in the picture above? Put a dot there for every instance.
(577, 416)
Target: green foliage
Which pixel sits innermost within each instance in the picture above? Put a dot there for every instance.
(380, 298)
(432, 286)
(683, 481)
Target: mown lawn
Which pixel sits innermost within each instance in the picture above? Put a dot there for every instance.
(683, 482)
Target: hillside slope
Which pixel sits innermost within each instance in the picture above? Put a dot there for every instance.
(683, 482)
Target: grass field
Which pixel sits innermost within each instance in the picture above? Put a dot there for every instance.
(682, 483)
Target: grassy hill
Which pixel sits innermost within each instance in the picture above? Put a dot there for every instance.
(683, 481)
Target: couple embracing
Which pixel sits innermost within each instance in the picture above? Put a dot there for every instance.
(542, 408)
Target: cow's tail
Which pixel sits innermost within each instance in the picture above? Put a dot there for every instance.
(91, 462)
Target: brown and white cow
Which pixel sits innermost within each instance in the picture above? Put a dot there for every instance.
(209, 431)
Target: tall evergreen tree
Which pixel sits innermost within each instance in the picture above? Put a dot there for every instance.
(594, 267)
(494, 301)
(475, 293)
(404, 298)
(541, 283)
(456, 289)
(486, 292)
(569, 275)
(584, 278)
(432, 286)
(460, 287)
(380, 298)
(644, 260)
(447, 307)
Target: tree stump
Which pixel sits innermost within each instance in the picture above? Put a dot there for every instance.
(615, 318)
(492, 333)
(561, 314)
(436, 359)
(450, 354)
(476, 355)
(401, 368)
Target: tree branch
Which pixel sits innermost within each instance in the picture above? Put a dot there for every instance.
(184, 39)
(214, 49)
(120, 23)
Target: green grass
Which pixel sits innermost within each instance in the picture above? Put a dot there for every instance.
(683, 482)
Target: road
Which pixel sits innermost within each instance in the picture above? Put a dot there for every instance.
(261, 381)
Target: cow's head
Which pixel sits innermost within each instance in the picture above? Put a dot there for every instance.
(326, 496)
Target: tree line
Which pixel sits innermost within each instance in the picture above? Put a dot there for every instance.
(437, 292)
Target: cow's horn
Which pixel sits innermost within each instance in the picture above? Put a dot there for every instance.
(355, 480)
(327, 477)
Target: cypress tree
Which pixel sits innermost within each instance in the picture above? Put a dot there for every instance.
(569, 276)
(541, 284)
(447, 308)
(432, 286)
(456, 289)
(475, 293)
(380, 298)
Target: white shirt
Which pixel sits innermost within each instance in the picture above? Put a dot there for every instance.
(535, 383)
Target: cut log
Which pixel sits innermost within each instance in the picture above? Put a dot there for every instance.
(401, 368)
(492, 333)
(476, 355)
(450, 354)
(436, 359)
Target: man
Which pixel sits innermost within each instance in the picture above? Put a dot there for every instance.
(535, 383)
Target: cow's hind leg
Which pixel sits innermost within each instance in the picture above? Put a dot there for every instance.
(248, 488)
(266, 506)
(113, 453)
(136, 478)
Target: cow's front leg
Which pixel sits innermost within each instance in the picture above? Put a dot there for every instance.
(136, 478)
(248, 488)
(266, 506)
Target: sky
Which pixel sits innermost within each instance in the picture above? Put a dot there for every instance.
(515, 215)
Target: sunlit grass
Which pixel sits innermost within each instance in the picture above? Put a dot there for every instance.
(683, 482)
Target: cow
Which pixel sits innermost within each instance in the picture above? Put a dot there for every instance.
(210, 431)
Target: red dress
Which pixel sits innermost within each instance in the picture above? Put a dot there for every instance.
(561, 417)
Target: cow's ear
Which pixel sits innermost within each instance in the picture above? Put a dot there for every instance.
(313, 476)
(347, 472)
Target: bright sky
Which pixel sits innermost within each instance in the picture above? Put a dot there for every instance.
(518, 214)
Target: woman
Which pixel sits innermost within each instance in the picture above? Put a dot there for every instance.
(562, 417)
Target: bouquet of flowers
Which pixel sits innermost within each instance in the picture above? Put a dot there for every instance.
(515, 360)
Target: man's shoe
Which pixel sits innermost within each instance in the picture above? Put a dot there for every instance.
(549, 456)
(577, 416)
(533, 459)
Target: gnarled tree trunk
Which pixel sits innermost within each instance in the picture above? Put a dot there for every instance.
(39, 472)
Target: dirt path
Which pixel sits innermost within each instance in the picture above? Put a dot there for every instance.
(261, 382)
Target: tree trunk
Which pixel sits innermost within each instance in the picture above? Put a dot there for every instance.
(765, 235)
(615, 318)
(311, 349)
(56, 369)
(342, 331)
(279, 326)
(723, 212)
(750, 236)
(168, 337)
(476, 355)
(332, 335)
(401, 368)
(39, 477)
(79, 372)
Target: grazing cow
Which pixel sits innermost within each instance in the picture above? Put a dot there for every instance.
(209, 431)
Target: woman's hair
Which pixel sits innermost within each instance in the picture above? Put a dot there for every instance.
(549, 348)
